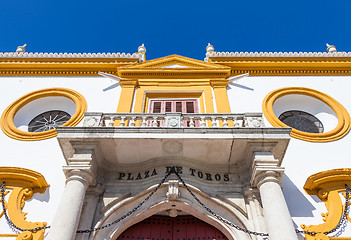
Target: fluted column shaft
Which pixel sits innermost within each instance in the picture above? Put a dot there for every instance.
(65, 223)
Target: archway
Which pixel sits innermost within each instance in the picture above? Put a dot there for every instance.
(159, 204)
(159, 227)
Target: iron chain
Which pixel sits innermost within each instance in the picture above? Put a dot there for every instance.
(8, 220)
(342, 220)
(223, 220)
(131, 211)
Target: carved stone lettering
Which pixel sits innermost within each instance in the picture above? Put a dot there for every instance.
(129, 176)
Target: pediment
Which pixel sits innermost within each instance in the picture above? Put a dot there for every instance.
(174, 66)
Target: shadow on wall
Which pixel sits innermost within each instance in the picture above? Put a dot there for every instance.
(41, 197)
(298, 204)
(239, 86)
(300, 236)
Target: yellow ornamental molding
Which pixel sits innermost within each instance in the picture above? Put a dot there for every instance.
(172, 67)
(22, 183)
(327, 186)
(34, 66)
(286, 66)
(342, 128)
(9, 128)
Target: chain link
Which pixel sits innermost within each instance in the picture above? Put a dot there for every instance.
(342, 220)
(8, 220)
(131, 211)
(223, 220)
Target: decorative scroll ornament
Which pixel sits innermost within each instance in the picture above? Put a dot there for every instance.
(22, 183)
(327, 186)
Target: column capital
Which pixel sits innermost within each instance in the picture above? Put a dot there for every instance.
(128, 82)
(219, 83)
(267, 175)
(83, 164)
(83, 175)
(265, 168)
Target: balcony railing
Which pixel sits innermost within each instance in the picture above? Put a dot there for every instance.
(173, 120)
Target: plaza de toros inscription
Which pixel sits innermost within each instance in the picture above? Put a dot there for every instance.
(203, 175)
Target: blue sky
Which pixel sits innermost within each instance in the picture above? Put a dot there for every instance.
(174, 27)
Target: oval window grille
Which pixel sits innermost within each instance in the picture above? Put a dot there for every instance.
(302, 121)
(48, 120)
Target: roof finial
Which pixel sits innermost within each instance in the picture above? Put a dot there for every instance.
(209, 48)
(331, 48)
(142, 49)
(21, 49)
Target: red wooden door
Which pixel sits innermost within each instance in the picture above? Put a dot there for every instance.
(167, 228)
(174, 105)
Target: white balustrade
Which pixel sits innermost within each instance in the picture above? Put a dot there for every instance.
(171, 120)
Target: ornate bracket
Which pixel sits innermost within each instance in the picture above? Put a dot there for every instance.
(22, 183)
(327, 185)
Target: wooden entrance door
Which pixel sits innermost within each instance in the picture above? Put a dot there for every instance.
(168, 228)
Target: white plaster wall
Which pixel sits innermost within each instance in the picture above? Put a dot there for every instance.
(302, 158)
(45, 156)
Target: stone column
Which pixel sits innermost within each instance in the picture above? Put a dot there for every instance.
(65, 223)
(80, 173)
(88, 210)
(266, 176)
(255, 211)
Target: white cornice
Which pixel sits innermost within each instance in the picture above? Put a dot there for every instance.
(277, 54)
(71, 55)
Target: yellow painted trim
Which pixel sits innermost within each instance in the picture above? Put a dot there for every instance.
(328, 180)
(342, 128)
(256, 66)
(194, 69)
(62, 66)
(286, 66)
(151, 80)
(220, 92)
(23, 183)
(14, 176)
(327, 185)
(126, 96)
(8, 235)
(177, 95)
(175, 59)
(144, 94)
(8, 115)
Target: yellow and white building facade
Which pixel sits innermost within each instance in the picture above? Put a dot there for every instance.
(113, 146)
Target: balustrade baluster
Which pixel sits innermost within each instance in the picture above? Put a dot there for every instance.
(225, 123)
(154, 122)
(132, 122)
(143, 122)
(111, 122)
(214, 123)
(202, 122)
(122, 123)
(191, 123)
(236, 122)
